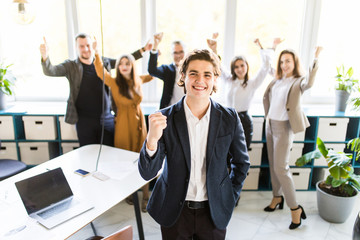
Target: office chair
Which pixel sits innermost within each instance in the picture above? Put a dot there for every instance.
(9, 167)
(125, 233)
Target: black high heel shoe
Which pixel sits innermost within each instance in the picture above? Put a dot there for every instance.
(302, 216)
(280, 204)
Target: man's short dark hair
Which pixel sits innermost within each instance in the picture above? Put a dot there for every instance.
(82, 35)
(199, 54)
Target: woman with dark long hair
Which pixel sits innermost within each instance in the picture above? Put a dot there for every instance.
(126, 89)
(239, 87)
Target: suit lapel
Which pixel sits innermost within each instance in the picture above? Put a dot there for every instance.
(182, 131)
(214, 126)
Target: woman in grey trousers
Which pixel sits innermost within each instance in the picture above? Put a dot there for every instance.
(284, 118)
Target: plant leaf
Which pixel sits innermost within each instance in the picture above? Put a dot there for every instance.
(307, 157)
(322, 147)
(336, 183)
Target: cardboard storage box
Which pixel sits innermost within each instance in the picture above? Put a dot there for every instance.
(332, 129)
(252, 179)
(258, 123)
(295, 153)
(6, 128)
(33, 153)
(67, 131)
(67, 147)
(338, 147)
(40, 127)
(255, 151)
(8, 151)
(300, 136)
(301, 177)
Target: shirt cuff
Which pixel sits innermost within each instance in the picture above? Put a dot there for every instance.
(151, 153)
(154, 51)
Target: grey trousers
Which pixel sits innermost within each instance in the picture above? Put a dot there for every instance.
(279, 138)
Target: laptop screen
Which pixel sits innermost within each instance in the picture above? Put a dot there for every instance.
(42, 190)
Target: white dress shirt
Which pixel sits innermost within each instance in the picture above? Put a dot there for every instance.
(178, 92)
(278, 98)
(239, 97)
(198, 132)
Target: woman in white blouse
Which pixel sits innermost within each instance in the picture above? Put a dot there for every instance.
(239, 87)
(284, 117)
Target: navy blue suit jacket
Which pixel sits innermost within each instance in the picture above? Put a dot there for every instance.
(226, 136)
(167, 73)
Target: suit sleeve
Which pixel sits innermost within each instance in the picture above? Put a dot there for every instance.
(146, 78)
(309, 80)
(239, 158)
(53, 71)
(153, 70)
(150, 166)
(137, 54)
(100, 69)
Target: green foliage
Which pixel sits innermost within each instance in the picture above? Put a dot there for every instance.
(342, 174)
(345, 80)
(354, 145)
(356, 102)
(6, 79)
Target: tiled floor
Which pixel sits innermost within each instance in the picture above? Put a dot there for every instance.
(249, 221)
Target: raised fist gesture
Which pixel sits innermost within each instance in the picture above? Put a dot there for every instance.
(44, 50)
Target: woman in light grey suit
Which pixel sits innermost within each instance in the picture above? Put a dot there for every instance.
(284, 118)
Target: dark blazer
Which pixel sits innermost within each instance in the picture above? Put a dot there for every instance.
(167, 73)
(226, 137)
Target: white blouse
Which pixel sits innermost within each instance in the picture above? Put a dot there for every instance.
(278, 99)
(239, 97)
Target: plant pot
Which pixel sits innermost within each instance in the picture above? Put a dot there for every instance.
(2, 101)
(341, 98)
(332, 208)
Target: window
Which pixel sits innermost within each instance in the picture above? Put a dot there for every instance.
(190, 21)
(340, 38)
(121, 25)
(266, 20)
(20, 47)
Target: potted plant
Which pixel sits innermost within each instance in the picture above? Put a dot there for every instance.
(6, 83)
(345, 84)
(337, 194)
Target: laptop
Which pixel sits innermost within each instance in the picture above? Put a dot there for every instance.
(48, 198)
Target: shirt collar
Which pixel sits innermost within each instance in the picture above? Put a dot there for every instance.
(190, 116)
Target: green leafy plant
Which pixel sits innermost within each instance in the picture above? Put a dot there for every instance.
(6, 79)
(342, 180)
(355, 101)
(345, 80)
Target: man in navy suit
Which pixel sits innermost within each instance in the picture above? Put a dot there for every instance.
(169, 74)
(195, 195)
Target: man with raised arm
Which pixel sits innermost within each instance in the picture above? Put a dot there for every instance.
(168, 73)
(85, 103)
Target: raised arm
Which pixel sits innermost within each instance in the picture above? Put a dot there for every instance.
(153, 152)
(146, 78)
(48, 68)
(99, 67)
(309, 79)
(153, 69)
(267, 56)
(212, 44)
(157, 39)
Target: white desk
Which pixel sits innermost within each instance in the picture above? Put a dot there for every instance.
(118, 164)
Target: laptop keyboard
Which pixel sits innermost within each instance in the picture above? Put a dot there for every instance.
(56, 209)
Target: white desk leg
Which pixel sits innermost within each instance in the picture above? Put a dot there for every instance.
(138, 216)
